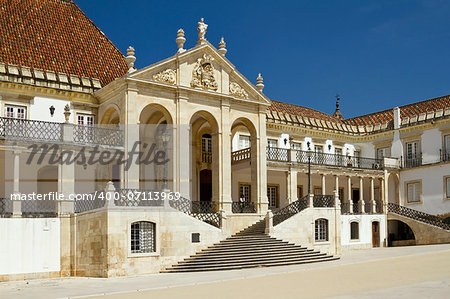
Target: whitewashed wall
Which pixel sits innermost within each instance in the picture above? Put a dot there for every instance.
(39, 109)
(29, 245)
(365, 230)
(430, 145)
(433, 197)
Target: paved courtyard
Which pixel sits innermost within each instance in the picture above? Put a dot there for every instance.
(403, 272)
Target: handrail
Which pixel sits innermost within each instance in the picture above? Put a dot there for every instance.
(290, 210)
(417, 215)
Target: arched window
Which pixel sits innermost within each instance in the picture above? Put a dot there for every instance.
(143, 237)
(354, 230)
(321, 230)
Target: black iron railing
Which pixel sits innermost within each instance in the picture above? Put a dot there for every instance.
(417, 215)
(206, 157)
(445, 155)
(138, 198)
(24, 129)
(241, 155)
(413, 161)
(6, 207)
(323, 201)
(39, 208)
(203, 212)
(89, 135)
(277, 154)
(338, 160)
(378, 206)
(345, 208)
(243, 207)
(368, 207)
(290, 210)
(90, 201)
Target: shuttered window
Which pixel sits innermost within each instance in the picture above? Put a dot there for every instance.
(413, 192)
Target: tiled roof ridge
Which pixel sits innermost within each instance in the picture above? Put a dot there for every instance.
(401, 107)
(306, 108)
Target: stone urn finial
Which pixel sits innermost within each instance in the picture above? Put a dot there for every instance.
(222, 47)
(260, 82)
(180, 40)
(67, 112)
(130, 59)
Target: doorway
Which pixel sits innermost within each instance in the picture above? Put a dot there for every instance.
(375, 234)
(355, 199)
(206, 185)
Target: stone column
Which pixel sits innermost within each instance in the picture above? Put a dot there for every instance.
(263, 205)
(225, 155)
(16, 204)
(324, 189)
(383, 199)
(372, 196)
(336, 188)
(349, 194)
(361, 195)
(66, 172)
(183, 150)
(131, 128)
(291, 176)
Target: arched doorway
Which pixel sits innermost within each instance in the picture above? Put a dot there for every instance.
(400, 234)
(156, 134)
(205, 160)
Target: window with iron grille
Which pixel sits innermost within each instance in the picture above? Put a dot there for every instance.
(272, 194)
(354, 230)
(143, 237)
(321, 230)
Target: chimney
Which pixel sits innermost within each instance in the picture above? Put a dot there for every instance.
(397, 118)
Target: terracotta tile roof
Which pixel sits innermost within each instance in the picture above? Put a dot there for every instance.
(406, 111)
(56, 35)
(301, 111)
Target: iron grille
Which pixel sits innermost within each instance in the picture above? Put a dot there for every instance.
(6, 207)
(91, 201)
(323, 201)
(379, 207)
(138, 198)
(143, 237)
(243, 207)
(417, 215)
(318, 158)
(23, 129)
(368, 207)
(345, 208)
(321, 230)
(277, 154)
(203, 211)
(39, 208)
(290, 210)
(413, 160)
(83, 134)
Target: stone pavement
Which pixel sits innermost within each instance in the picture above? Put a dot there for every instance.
(413, 272)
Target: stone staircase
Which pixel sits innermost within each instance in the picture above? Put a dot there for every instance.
(249, 248)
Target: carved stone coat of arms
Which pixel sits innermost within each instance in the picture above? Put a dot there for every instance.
(203, 74)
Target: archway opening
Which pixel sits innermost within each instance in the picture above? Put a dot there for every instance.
(400, 234)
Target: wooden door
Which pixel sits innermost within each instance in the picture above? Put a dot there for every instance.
(375, 234)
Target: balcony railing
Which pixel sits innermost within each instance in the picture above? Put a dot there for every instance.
(445, 155)
(241, 155)
(206, 157)
(413, 161)
(243, 207)
(24, 129)
(284, 155)
(36, 130)
(323, 201)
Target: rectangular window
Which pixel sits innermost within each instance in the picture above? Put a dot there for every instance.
(244, 192)
(383, 152)
(85, 119)
(319, 158)
(338, 154)
(244, 141)
(447, 187)
(272, 196)
(296, 146)
(19, 112)
(413, 192)
(445, 156)
(447, 143)
(272, 143)
(206, 144)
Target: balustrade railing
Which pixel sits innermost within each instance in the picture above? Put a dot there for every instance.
(345, 208)
(378, 206)
(206, 157)
(241, 155)
(39, 208)
(417, 215)
(277, 154)
(243, 207)
(24, 129)
(290, 210)
(368, 207)
(83, 134)
(413, 161)
(323, 201)
(6, 208)
(445, 155)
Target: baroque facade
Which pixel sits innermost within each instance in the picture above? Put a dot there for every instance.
(237, 160)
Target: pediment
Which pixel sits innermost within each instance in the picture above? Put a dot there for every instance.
(202, 68)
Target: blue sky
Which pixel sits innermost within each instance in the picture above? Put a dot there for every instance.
(375, 54)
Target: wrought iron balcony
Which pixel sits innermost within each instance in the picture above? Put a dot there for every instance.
(413, 161)
(206, 157)
(42, 131)
(243, 207)
(284, 155)
(323, 201)
(445, 155)
(241, 155)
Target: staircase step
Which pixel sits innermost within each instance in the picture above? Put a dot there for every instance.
(261, 251)
(233, 259)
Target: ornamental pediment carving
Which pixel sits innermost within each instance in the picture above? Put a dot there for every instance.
(203, 74)
(168, 76)
(237, 91)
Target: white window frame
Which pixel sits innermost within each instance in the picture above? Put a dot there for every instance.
(13, 111)
(447, 187)
(413, 189)
(244, 142)
(272, 143)
(321, 230)
(272, 196)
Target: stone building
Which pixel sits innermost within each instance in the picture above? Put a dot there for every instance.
(238, 170)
